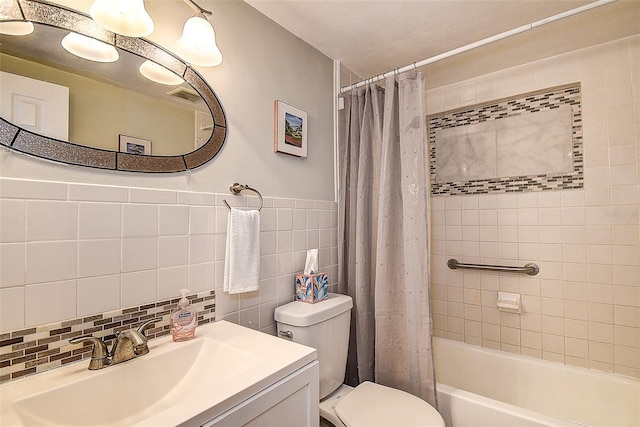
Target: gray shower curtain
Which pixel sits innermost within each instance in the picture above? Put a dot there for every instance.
(383, 235)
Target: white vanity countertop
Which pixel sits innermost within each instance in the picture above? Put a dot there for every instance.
(185, 383)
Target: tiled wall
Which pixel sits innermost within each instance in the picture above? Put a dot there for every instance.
(584, 306)
(509, 161)
(44, 347)
(71, 251)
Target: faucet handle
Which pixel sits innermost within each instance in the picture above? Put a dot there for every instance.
(147, 325)
(99, 354)
(139, 339)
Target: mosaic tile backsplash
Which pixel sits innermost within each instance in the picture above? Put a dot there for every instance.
(530, 142)
(39, 349)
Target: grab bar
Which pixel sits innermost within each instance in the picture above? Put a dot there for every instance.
(236, 188)
(531, 269)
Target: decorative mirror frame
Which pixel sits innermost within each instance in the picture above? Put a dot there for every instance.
(23, 141)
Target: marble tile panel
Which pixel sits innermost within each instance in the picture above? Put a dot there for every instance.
(466, 152)
(535, 144)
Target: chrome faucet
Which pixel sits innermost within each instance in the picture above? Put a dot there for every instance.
(128, 345)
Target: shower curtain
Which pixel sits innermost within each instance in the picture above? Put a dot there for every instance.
(383, 235)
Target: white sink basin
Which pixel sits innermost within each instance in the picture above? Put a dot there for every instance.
(176, 383)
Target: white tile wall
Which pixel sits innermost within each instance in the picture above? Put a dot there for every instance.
(72, 250)
(584, 306)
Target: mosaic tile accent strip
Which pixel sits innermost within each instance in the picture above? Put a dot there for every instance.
(39, 349)
(530, 103)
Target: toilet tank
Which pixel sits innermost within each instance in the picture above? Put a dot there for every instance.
(323, 326)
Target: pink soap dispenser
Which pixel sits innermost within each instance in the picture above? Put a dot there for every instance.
(183, 319)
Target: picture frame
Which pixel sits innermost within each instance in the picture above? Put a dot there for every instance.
(133, 145)
(290, 129)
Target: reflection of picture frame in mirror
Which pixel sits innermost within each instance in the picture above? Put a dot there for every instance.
(290, 130)
(132, 145)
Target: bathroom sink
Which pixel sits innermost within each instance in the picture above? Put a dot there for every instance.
(131, 392)
(176, 383)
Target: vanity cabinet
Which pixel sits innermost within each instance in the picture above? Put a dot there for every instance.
(290, 402)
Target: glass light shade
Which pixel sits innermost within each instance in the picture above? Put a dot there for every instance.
(198, 43)
(88, 48)
(16, 28)
(126, 17)
(159, 74)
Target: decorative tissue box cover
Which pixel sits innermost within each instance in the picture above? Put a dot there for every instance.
(312, 287)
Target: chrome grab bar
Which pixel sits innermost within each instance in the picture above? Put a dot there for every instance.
(531, 268)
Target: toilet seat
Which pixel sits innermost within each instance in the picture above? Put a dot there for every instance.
(371, 404)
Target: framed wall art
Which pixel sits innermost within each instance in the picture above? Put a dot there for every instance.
(290, 130)
(132, 145)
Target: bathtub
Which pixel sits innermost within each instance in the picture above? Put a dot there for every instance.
(484, 387)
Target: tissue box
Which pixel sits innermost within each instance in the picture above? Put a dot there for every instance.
(312, 287)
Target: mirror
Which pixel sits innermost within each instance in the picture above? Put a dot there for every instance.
(182, 125)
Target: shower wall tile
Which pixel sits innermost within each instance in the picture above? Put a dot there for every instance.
(583, 308)
(529, 142)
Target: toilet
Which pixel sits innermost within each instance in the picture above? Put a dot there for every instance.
(325, 327)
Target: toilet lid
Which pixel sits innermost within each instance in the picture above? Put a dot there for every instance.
(372, 404)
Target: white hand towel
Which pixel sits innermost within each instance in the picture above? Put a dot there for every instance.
(242, 254)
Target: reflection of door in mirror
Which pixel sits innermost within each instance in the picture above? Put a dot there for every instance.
(100, 111)
(204, 125)
(35, 105)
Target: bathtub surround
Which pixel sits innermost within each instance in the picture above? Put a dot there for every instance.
(73, 251)
(583, 308)
(384, 235)
(528, 142)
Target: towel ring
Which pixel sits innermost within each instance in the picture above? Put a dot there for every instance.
(236, 188)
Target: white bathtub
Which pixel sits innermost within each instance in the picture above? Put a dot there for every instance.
(484, 387)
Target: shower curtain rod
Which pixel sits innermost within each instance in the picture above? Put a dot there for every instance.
(478, 43)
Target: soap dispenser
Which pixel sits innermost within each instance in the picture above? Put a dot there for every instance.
(183, 319)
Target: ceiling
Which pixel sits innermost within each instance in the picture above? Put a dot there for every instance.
(371, 37)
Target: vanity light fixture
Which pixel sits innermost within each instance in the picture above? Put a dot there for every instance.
(125, 17)
(16, 28)
(197, 45)
(159, 74)
(89, 48)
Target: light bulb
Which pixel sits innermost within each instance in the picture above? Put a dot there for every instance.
(198, 43)
(159, 74)
(88, 48)
(126, 17)
(16, 28)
